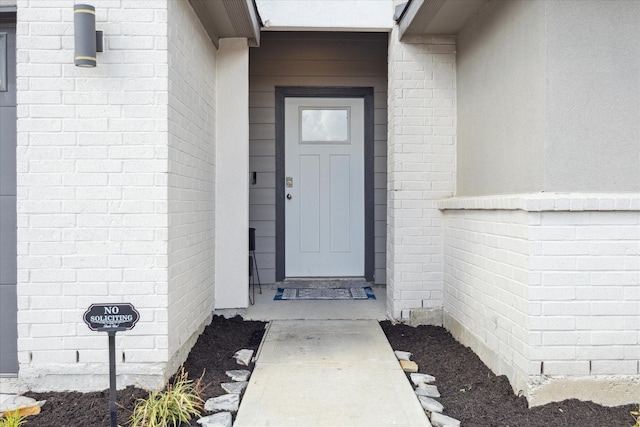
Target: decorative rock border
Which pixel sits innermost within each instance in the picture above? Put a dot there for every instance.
(225, 404)
(23, 405)
(426, 392)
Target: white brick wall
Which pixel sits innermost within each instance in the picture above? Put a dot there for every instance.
(105, 186)
(545, 288)
(421, 168)
(584, 292)
(192, 91)
(486, 284)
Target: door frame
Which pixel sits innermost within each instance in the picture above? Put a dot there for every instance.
(366, 93)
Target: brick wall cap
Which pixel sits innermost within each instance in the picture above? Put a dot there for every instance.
(539, 202)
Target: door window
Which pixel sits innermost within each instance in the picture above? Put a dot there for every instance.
(324, 125)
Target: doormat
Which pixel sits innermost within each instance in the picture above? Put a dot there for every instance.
(324, 293)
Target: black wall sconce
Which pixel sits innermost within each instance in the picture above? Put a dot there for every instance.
(88, 41)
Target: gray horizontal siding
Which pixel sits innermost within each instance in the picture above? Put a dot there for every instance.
(311, 59)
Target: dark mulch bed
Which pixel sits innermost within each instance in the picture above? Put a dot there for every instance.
(474, 395)
(212, 355)
(470, 391)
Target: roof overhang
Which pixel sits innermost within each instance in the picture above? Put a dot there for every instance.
(436, 17)
(229, 18)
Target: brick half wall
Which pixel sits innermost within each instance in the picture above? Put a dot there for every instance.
(545, 288)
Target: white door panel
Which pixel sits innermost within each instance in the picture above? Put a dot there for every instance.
(309, 197)
(340, 218)
(324, 203)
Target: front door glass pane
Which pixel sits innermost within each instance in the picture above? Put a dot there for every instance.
(324, 125)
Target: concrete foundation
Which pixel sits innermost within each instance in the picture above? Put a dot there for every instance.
(607, 390)
(613, 390)
(426, 316)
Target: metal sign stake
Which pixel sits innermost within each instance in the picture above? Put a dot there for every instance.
(113, 411)
(111, 318)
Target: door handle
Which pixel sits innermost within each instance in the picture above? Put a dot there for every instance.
(289, 196)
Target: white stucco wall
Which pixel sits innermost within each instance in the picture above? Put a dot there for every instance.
(593, 96)
(548, 98)
(327, 15)
(191, 180)
(232, 175)
(501, 100)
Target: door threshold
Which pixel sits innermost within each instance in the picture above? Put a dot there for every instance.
(323, 282)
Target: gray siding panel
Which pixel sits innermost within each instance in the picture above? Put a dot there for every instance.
(319, 46)
(261, 99)
(9, 335)
(8, 232)
(320, 69)
(262, 147)
(8, 150)
(379, 84)
(262, 131)
(262, 115)
(8, 222)
(262, 164)
(312, 59)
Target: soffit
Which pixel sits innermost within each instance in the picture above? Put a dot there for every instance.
(229, 18)
(437, 17)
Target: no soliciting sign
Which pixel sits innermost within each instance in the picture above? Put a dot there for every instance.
(111, 317)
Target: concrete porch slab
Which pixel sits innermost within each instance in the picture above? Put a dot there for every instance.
(266, 308)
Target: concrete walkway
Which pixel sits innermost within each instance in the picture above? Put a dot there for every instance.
(338, 373)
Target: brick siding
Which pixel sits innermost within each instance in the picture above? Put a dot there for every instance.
(108, 193)
(192, 112)
(421, 168)
(546, 285)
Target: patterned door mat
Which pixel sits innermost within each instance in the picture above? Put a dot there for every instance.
(359, 293)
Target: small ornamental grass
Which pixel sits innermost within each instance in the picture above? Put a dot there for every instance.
(13, 419)
(177, 404)
(636, 416)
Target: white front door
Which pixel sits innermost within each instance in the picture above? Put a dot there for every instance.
(324, 187)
